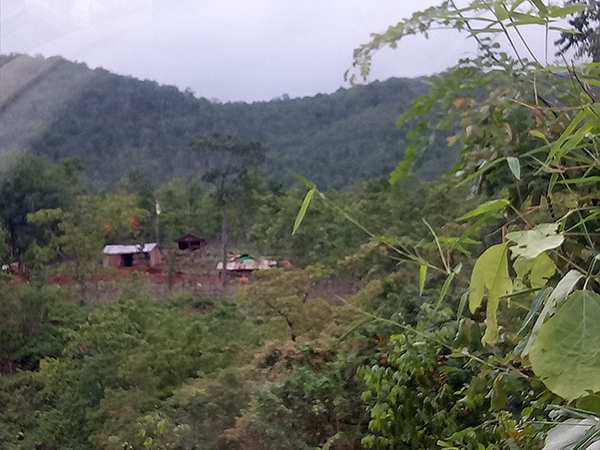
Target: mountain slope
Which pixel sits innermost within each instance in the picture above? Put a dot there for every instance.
(59, 108)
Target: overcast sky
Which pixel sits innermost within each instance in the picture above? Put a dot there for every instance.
(231, 50)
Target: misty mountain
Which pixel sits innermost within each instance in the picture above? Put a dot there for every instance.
(59, 108)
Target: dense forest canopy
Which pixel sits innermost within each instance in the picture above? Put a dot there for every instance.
(57, 108)
(460, 313)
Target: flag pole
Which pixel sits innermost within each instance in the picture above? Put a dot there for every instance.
(157, 221)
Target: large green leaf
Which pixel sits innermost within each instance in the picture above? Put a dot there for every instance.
(560, 292)
(566, 353)
(490, 274)
(531, 243)
(590, 403)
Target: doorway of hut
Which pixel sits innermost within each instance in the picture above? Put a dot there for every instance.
(127, 260)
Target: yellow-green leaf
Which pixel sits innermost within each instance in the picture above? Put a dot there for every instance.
(531, 243)
(501, 12)
(590, 403)
(490, 274)
(445, 288)
(422, 277)
(536, 270)
(537, 134)
(541, 7)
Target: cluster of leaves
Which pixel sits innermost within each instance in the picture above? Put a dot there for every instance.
(28, 183)
(528, 137)
(586, 38)
(427, 397)
(317, 405)
(36, 320)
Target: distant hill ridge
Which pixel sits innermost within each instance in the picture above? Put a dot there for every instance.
(59, 108)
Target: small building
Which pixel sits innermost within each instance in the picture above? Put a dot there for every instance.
(190, 242)
(132, 255)
(242, 265)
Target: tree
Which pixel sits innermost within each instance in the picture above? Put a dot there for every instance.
(187, 207)
(226, 160)
(586, 24)
(27, 184)
(283, 296)
(139, 183)
(4, 246)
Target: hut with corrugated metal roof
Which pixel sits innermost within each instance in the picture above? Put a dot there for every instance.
(133, 255)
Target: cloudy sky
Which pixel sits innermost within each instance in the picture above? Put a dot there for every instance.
(230, 50)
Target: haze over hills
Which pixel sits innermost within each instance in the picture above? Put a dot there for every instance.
(59, 108)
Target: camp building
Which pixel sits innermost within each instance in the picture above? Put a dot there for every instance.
(132, 255)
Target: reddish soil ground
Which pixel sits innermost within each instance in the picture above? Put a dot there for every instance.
(197, 270)
(155, 275)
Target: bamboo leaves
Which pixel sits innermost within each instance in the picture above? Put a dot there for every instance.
(303, 209)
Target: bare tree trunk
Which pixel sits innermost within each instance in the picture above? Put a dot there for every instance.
(13, 241)
(171, 262)
(224, 238)
(79, 278)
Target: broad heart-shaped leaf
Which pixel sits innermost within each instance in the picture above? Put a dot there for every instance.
(490, 273)
(531, 243)
(566, 353)
(536, 270)
(560, 292)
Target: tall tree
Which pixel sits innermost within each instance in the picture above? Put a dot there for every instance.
(27, 184)
(4, 247)
(226, 161)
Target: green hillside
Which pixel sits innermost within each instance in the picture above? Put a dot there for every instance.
(60, 108)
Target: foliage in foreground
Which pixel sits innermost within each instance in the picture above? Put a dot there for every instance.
(529, 139)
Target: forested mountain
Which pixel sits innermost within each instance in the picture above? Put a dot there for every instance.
(59, 108)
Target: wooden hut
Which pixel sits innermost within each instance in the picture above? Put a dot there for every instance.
(190, 242)
(132, 255)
